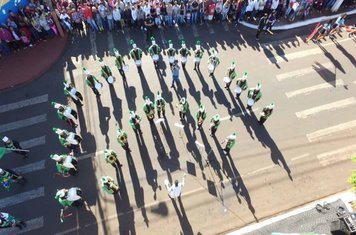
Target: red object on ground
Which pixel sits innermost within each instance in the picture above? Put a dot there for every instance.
(29, 64)
(313, 33)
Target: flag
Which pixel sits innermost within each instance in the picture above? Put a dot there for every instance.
(2, 152)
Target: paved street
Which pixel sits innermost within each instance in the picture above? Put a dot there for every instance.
(299, 155)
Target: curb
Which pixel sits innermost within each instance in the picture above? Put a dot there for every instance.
(300, 23)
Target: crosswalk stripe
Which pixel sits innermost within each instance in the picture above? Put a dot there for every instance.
(36, 166)
(22, 197)
(305, 71)
(27, 144)
(331, 106)
(195, 31)
(23, 123)
(337, 155)
(242, 113)
(308, 90)
(24, 103)
(292, 56)
(330, 130)
(31, 224)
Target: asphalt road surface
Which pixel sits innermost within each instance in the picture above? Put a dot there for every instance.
(301, 153)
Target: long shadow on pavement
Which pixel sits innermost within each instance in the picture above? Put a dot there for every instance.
(192, 90)
(146, 91)
(165, 92)
(104, 118)
(130, 94)
(183, 220)
(206, 91)
(116, 106)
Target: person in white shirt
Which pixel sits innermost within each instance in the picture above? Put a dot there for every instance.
(117, 17)
(134, 15)
(146, 8)
(175, 190)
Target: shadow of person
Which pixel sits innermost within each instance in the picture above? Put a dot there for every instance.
(345, 52)
(183, 220)
(160, 148)
(271, 57)
(130, 94)
(332, 58)
(139, 193)
(220, 95)
(172, 163)
(264, 137)
(325, 73)
(86, 221)
(166, 93)
(116, 106)
(104, 118)
(192, 90)
(246, 118)
(124, 211)
(145, 87)
(151, 174)
(208, 93)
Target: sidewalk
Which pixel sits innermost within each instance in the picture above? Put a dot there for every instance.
(28, 64)
(302, 220)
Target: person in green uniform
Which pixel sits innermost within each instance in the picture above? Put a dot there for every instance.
(120, 63)
(171, 52)
(136, 54)
(70, 91)
(65, 164)
(7, 221)
(160, 104)
(266, 112)
(14, 144)
(231, 74)
(111, 158)
(67, 139)
(183, 108)
(214, 124)
(184, 53)
(200, 116)
(253, 94)
(154, 50)
(149, 109)
(106, 73)
(213, 61)
(198, 54)
(108, 185)
(241, 85)
(230, 142)
(92, 82)
(134, 121)
(66, 113)
(121, 137)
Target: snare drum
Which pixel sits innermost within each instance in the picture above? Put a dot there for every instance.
(184, 60)
(98, 85)
(211, 68)
(138, 63)
(238, 90)
(171, 59)
(197, 59)
(111, 79)
(125, 68)
(227, 80)
(155, 57)
(250, 102)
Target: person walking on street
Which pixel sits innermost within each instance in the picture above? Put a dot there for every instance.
(171, 52)
(261, 25)
(213, 61)
(70, 91)
(154, 50)
(241, 85)
(66, 113)
(184, 53)
(106, 73)
(136, 54)
(92, 82)
(183, 108)
(13, 144)
(134, 121)
(149, 109)
(270, 22)
(266, 112)
(7, 220)
(108, 185)
(175, 190)
(121, 137)
(175, 73)
(200, 116)
(231, 75)
(111, 158)
(7, 177)
(254, 94)
(230, 142)
(198, 54)
(160, 104)
(120, 63)
(214, 124)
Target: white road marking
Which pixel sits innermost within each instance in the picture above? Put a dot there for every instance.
(21, 197)
(260, 170)
(330, 130)
(308, 90)
(36, 166)
(337, 155)
(326, 107)
(27, 144)
(23, 123)
(24, 103)
(301, 156)
(238, 114)
(305, 71)
(195, 31)
(31, 224)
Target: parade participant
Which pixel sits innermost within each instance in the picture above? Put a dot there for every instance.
(7, 177)
(213, 61)
(154, 50)
(184, 53)
(231, 75)
(230, 142)
(136, 54)
(200, 116)
(106, 73)
(175, 73)
(65, 164)
(214, 124)
(149, 109)
(67, 139)
(171, 52)
(120, 63)
(92, 82)
(266, 112)
(121, 137)
(183, 108)
(66, 113)
(108, 185)
(198, 54)
(175, 190)
(134, 121)
(70, 90)
(241, 85)
(14, 146)
(254, 94)
(111, 158)
(160, 104)
(7, 220)
(69, 197)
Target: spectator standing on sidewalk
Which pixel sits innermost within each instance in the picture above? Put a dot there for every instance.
(270, 22)
(261, 24)
(175, 190)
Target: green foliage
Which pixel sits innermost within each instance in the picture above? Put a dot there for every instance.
(352, 178)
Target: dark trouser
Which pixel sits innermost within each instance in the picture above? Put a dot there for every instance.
(122, 73)
(259, 30)
(269, 26)
(213, 130)
(126, 146)
(227, 149)
(196, 65)
(149, 33)
(227, 86)
(79, 95)
(163, 111)
(174, 80)
(137, 129)
(96, 92)
(262, 120)
(181, 115)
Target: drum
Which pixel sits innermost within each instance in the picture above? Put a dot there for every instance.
(184, 60)
(72, 194)
(211, 68)
(125, 68)
(250, 102)
(71, 139)
(238, 90)
(111, 79)
(197, 59)
(171, 59)
(98, 85)
(138, 63)
(155, 57)
(227, 80)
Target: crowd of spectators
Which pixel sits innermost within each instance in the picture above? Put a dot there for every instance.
(34, 22)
